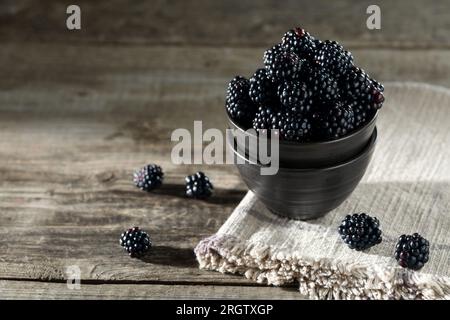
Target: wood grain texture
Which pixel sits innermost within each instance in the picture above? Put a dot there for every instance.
(405, 23)
(79, 111)
(58, 291)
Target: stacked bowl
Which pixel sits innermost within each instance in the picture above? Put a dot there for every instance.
(313, 177)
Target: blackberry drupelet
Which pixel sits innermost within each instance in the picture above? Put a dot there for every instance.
(294, 127)
(284, 66)
(238, 103)
(299, 42)
(148, 177)
(360, 231)
(358, 86)
(334, 57)
(262, 88)
(269, 54)
(412, 251)
(334, 122)
(322, 84)
(265, 118)
(135, 241)
(198, 186)
(295, 96)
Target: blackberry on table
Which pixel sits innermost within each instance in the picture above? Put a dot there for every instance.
(198, 186)
(262, 88)
(294, 127)
(412, 251)
(148, 177)
(334, 57)
(299, 42)
(238, 103)
(295, 96)
(270, 54)
(135, 241)
(360, 231)
(335, 122)
(358, 86)
(284, 66)
(322, 84)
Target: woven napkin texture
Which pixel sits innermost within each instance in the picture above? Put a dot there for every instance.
(407, 186)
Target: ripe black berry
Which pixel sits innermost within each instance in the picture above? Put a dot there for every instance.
(270, 54)
(238, 103)
(293, 127)
(331, 55)
(361, 112)
(299, 42)
(148, 177)
(295, 96)
(198, 186)
(262, 88)
(135, 241)
(334, 122)
(358, 86)
(265, 118)
(360, 231)
(412, 251)
(322, 84)
(284, 66)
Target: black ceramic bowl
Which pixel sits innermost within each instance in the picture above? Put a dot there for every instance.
(306, 193)
(316, 154)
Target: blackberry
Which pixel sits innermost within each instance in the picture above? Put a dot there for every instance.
(295, 96)
(412, 251)
(238, 103)
(331, 55)
(148, 177)
(362, 113)
(135, 241)
(360, 231)
(265, 118)
(299, 42)
(198, 186)
(335, 122)
(293, 127)
(358, 86)
(262, 89)
(284, 66)
(269, 54)
(322, 84)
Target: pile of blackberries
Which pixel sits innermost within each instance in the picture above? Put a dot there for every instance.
(310, 90)
(151, 176)
(361, 231)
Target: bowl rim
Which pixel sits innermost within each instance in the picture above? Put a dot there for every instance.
(293, 143)
(367, 149)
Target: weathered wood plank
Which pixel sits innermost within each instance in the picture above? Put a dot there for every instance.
(140, 78)
(58, 291)
(405, 23)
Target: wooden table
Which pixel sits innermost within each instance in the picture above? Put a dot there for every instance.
(80, 110)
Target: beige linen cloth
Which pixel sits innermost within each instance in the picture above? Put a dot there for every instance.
(407, 186)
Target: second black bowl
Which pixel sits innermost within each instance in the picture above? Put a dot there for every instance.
(306, 193)
(314, 154)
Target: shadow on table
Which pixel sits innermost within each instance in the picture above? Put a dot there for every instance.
(170, 256)
(220, 196)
